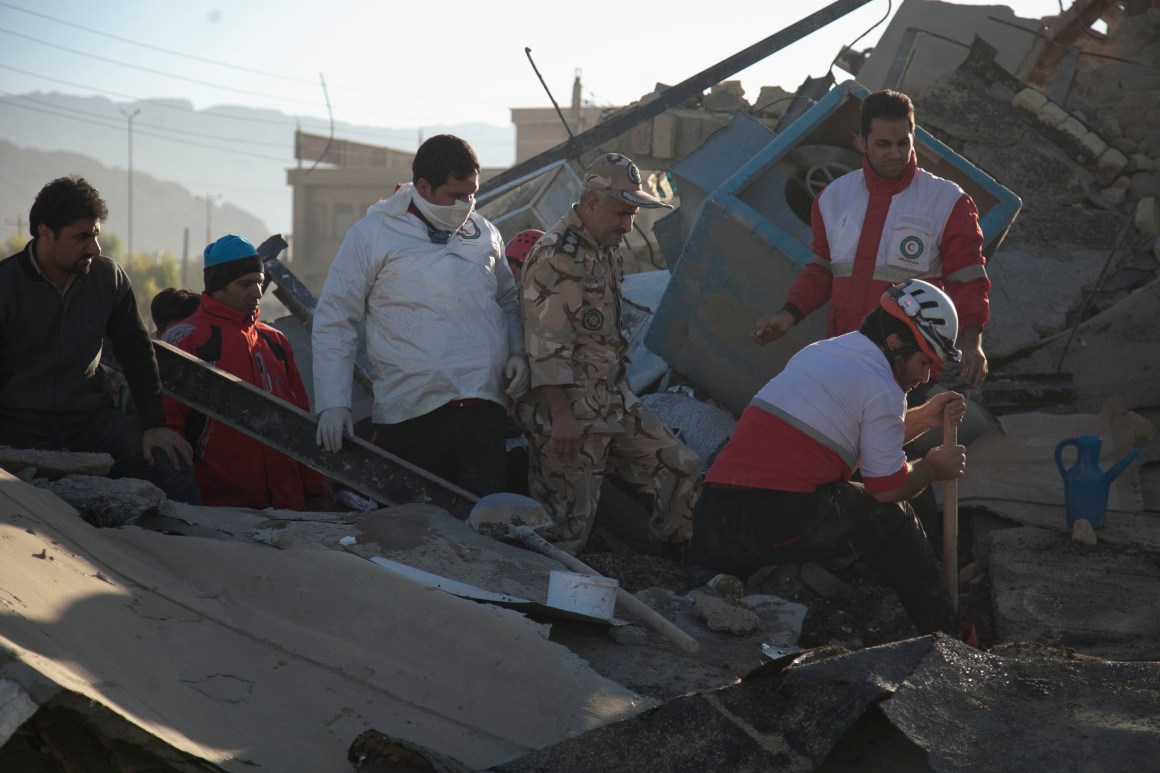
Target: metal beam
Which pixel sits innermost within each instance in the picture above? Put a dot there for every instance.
(286, 428)
(691, 87)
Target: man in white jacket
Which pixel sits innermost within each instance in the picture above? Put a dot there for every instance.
(443, 325)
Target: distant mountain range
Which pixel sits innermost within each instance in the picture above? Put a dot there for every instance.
(236, 157)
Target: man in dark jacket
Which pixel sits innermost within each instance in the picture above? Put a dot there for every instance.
(60, 299)
(234, 470)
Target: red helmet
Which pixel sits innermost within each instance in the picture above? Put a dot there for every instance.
(521, 244)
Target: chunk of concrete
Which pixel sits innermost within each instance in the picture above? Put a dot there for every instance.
(1095, 146)
(109, 502)
(781, 619)
(1113, 195)
(703, 427)
(1110, 163)
(1052, 114)
(825, 584)
(54, 464)
(1147, 216)
(1073, 128)
(1083, 533)
(16, 706)
(1111, 607)
(723, 616)
(1030, 99)
(1142, 162)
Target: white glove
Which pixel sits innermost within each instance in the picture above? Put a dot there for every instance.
(515, 372)
(332, 423)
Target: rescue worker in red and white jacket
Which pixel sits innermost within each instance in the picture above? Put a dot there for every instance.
(781, 490)
(234, 470)
(889, 222)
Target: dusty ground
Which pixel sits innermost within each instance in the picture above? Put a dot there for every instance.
(658, 669)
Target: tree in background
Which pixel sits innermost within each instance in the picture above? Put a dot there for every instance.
(149, 277)
(14, 243)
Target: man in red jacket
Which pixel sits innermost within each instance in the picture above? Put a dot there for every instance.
(890, 222)
(234, 470)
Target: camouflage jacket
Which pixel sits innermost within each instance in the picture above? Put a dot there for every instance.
(570, 303)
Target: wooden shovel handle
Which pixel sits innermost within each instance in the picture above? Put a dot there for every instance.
(951, 518)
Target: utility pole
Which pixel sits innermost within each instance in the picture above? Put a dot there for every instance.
(130, 117)
(184, 257)
(209, 199)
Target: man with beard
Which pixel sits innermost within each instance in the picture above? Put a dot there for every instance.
(59, 301)
(233, 469)
(890, 221)
(781, 491)
(428, 275)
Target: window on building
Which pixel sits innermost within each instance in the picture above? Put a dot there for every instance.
(343, 218)
(316, 222)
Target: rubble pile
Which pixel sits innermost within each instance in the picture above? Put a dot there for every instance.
(227, 639)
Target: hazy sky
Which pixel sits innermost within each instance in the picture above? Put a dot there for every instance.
(415, 63)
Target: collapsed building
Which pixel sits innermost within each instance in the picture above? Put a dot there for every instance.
(399, 637)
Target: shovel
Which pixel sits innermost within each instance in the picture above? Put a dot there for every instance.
(516, 518)
(951, 518)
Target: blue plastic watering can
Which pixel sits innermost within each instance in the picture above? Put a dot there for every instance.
(1085, 483)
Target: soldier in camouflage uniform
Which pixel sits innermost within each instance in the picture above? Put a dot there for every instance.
(581, 418)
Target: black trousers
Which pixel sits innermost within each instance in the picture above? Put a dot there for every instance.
(118, 434)
(739, 530)
(461, 442)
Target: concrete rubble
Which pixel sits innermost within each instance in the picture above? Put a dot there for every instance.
(222, 639)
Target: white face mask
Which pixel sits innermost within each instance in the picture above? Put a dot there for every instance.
(449, 217)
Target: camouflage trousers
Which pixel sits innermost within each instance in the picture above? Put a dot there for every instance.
(645, 455)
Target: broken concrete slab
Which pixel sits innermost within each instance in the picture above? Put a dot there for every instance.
(783, 619)
(945, 31)
(1045, 710)
(701, 426)
(277, 659)
(421, 536)
(16, 706)
(1116, 352)
(719, 614)
(109, 502)
(1101, 600)
(1026, 313)
(54, 464)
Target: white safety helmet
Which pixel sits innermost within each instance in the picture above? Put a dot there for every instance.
(929, 313)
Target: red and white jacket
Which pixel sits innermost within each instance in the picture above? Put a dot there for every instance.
(234, 470)
(835, 408)
(870, 232)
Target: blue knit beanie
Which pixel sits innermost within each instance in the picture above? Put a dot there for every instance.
(227, 259)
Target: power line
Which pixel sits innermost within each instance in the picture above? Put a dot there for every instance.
(151, 47)
(187, 110)
(348, 131)
(284, 159)
(192, 57)
(151, 71)
(146, 125)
